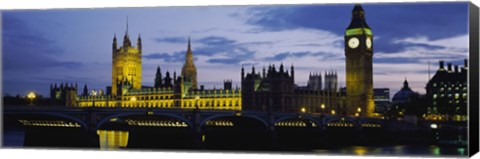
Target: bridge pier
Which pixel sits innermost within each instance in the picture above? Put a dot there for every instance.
(92, 127)
(198, 137)
(272, 131)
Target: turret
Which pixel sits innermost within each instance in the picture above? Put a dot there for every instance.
(85, 90)
(292, 73)
(158, 78)
(139, 44)
(174, 77)
(114, 44)
(281, 67)
(441, 63)
(243, 74)
(168, 80)
(263, 72)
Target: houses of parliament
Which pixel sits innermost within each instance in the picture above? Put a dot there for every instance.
(270, 89)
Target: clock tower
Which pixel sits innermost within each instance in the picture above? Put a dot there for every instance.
(359, 76)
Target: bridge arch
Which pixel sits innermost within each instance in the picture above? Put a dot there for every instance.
(318, 124)
(82, 123)
(333, 119)
(174, 116)
(203, 121)
(371, 123)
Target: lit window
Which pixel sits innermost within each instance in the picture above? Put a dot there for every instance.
(457, 95)
(434, 84)
(434, 96)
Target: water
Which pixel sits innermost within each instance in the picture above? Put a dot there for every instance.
(397, 150)
(13, 138)
(110, 140)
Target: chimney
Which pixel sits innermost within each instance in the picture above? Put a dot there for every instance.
(201, 87)
(441, 64)
(456, 68)
(449, 67)
(465, 62)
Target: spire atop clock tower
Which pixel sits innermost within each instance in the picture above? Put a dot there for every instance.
(358, 18)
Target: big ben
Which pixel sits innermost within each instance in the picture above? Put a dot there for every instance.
(359, 52)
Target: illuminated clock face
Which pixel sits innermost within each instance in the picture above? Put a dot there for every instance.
(368, 43)
(353, 42)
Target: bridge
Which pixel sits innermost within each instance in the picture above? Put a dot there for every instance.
(196, 127)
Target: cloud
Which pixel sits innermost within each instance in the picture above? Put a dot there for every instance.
(26, 49)
(390, 21)
(174, 57)
(215, 40)
(181, 40)
(284, 55)
(222, 50)
(423, 49)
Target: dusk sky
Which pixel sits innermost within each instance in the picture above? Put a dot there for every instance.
(41, 47)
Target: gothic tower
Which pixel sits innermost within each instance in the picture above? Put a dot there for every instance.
(126, 64)
(158, 78)
(359, 52)
(189, 71)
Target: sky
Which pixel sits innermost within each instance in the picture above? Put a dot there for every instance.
(41, 47)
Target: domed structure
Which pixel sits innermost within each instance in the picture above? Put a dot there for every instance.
(405, 95)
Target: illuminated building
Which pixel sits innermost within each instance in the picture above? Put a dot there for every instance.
(447, 93)
(276, 91)
(359, 52)
(382, 99)
(126, 65)
(267, 91)
(63, 95)
(271, 91)
(168, 92)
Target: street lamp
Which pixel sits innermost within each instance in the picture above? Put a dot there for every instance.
(333, 112)
(323, 108)
(31, 96)
(303, 110)
(196, 101)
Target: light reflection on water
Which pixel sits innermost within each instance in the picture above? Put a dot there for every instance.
(112, 139)
(398, 150)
